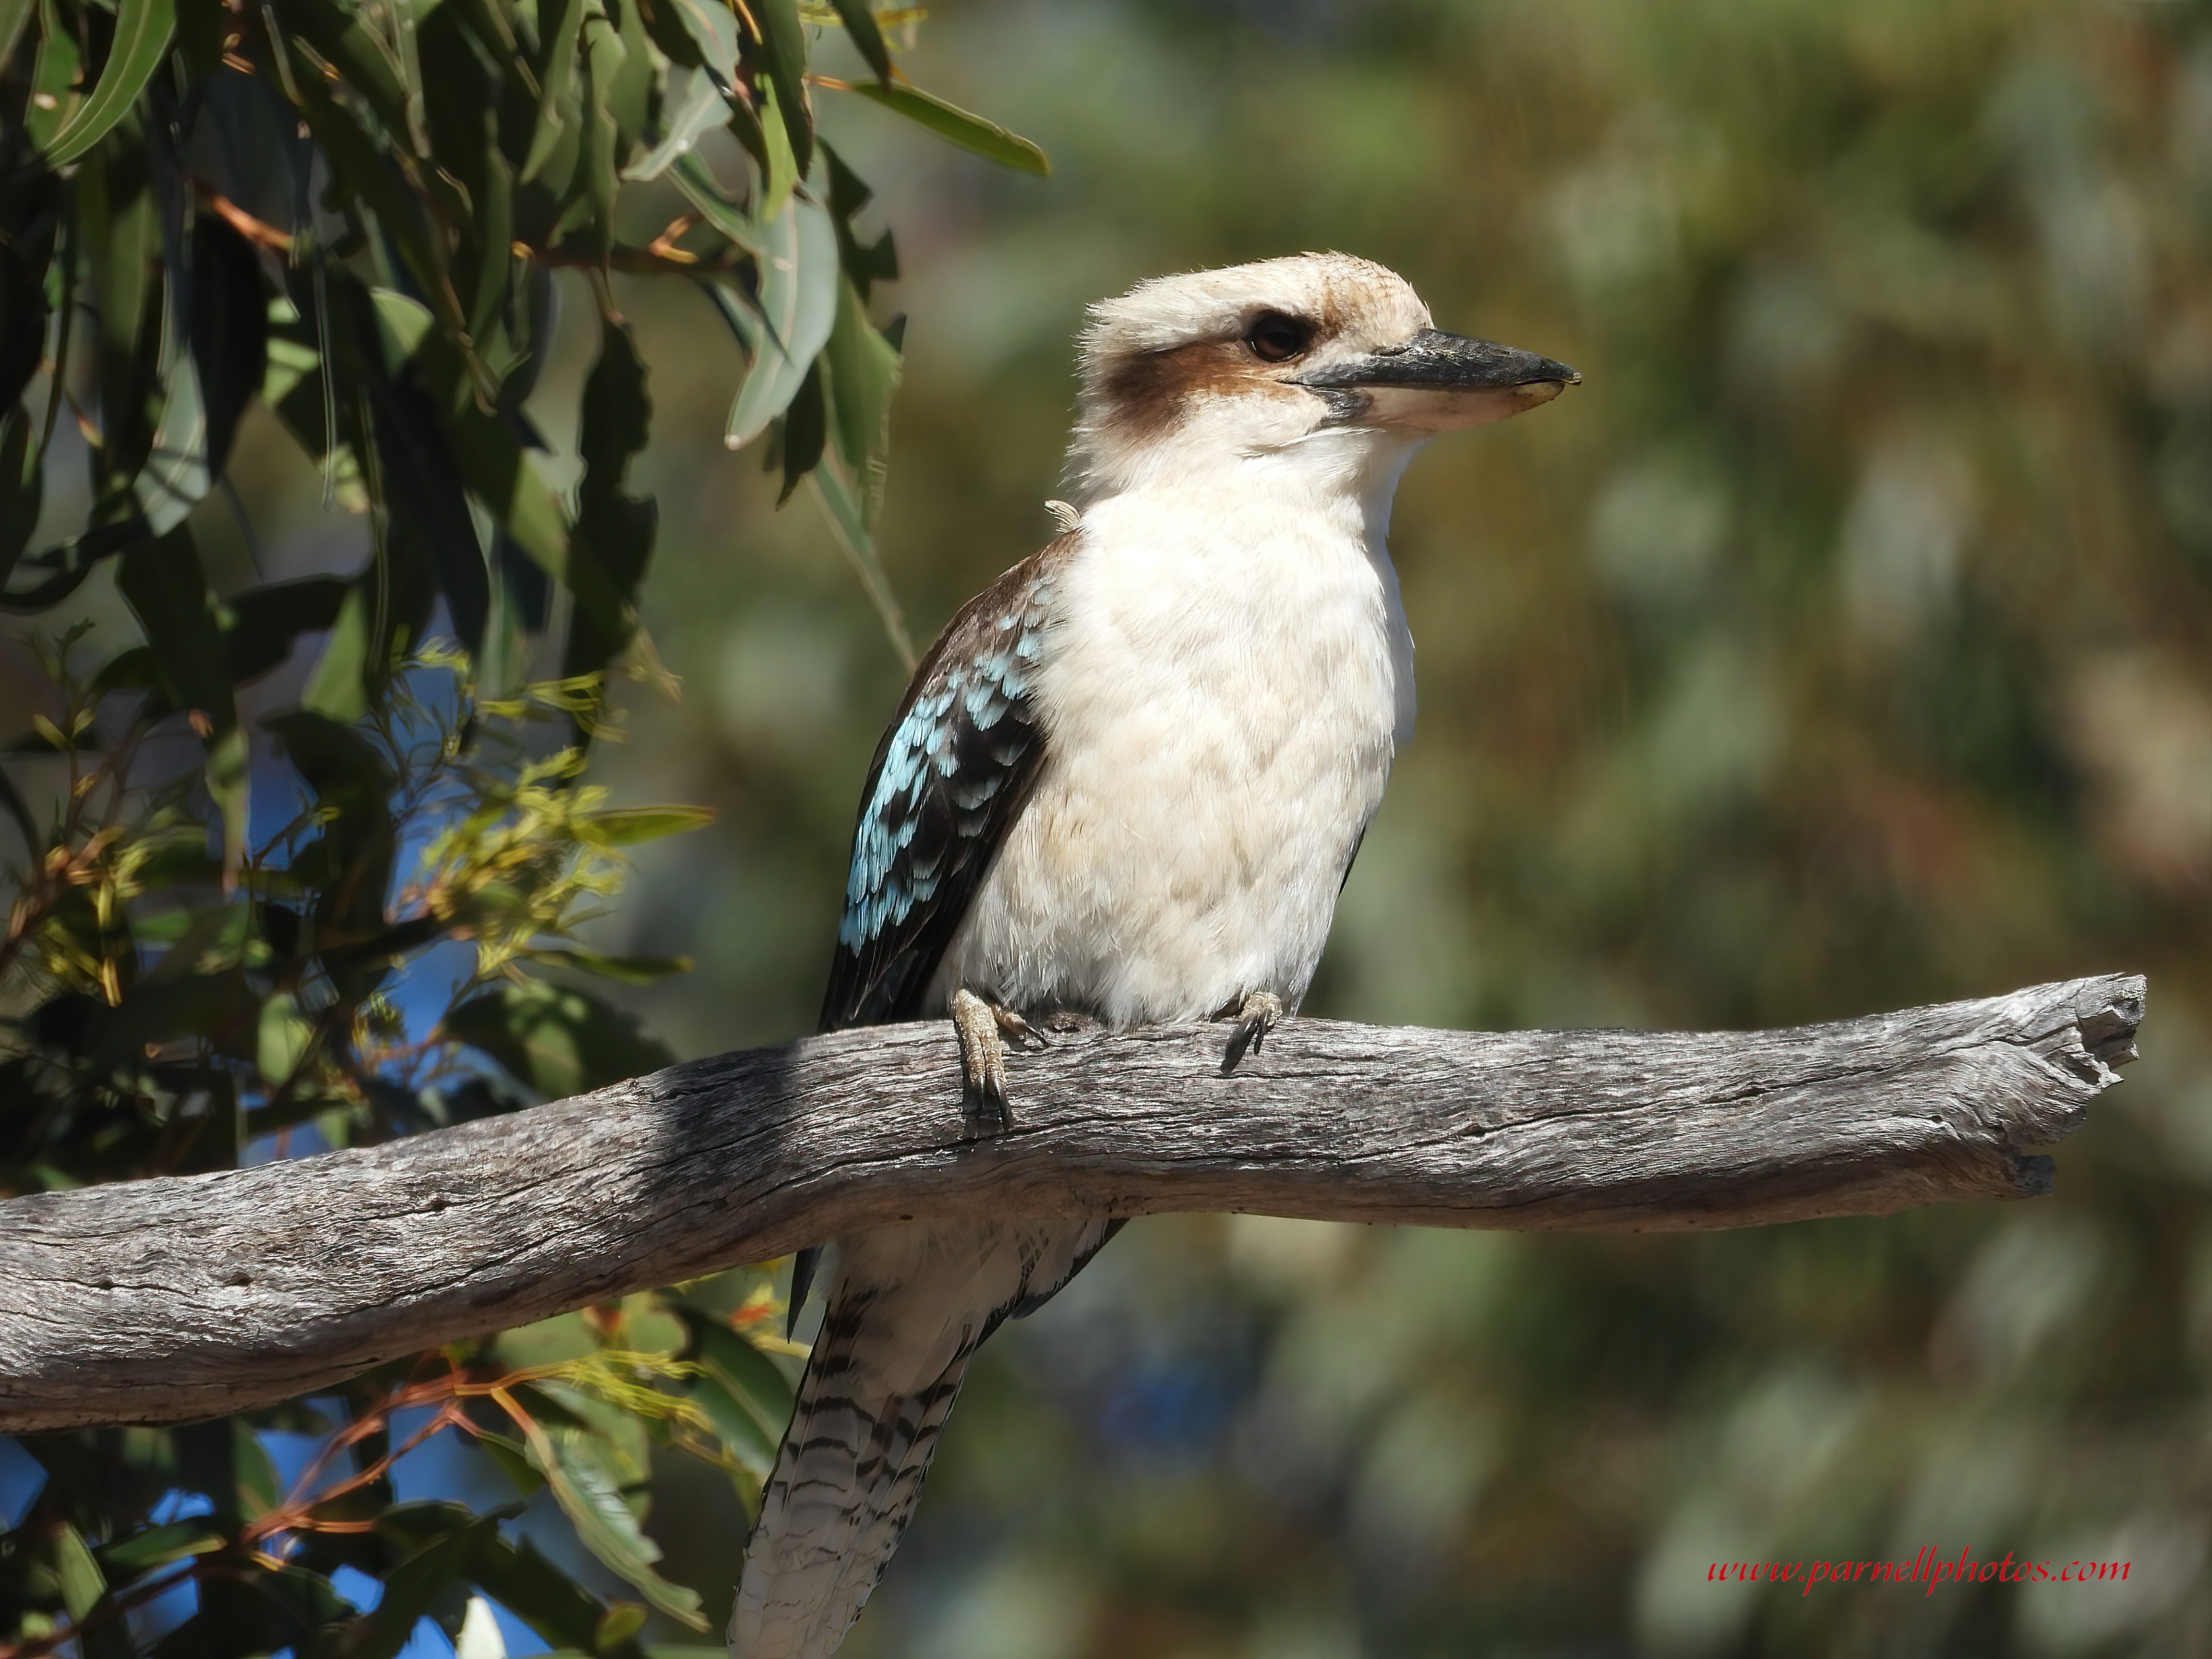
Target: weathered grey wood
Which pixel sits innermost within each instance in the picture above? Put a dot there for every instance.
(166, 1300)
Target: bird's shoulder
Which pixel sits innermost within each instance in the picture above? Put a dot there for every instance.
(949, 777)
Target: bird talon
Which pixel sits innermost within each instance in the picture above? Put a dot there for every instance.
(1254, 1019)
(1017, 1028)
(983, 1061)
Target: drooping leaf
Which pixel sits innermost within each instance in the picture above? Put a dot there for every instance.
(545, 1598)
(229, 330)
(695, 111)
(559, 1041)
(586, 1483)
(805, 430)
(614, 528)
(962, 127)
(864, 375)
(22, 485)
(783, 40)
(166, 592)
(142, 28)
(55, 93)
(263, 621)
(799, 308)
(414, 1587)
(556, 79)
(338, 686)
(704, 192)
(14, 13)
(23, 319)
(860, 23)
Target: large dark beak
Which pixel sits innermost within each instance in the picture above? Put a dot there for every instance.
(1437, 382)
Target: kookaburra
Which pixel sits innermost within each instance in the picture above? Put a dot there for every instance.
(1128, 781)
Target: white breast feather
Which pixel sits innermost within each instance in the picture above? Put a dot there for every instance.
(1222, 692)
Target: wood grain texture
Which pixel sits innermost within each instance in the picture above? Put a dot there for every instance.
(168, 1300)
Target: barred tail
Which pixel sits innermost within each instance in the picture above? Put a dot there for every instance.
(908, 1308)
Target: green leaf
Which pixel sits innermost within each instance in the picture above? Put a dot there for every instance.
(805, 430)
(54, 96)
(411, 1589)
(614, 527)
(860, 23)
(689, 116)
(142, 28)
(545, 1598)
(626, 970)
(559, 1041)
(704, 192)
(280, 1039)
(338, 686)
(784, 41)
(949, 121)
(265, 621)
(158, 1545)
(779, 162)
(586, 1483)
(513, 1460)
(556, 79)
(745, 1396)
(622, 1620)
(162, 582)
(799, 279)
(864, 375)
(630, 826)
(845, 508)
(22, 486)
(82, 1582)
(14, 13)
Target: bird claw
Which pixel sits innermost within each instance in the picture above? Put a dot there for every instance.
(983, 1058)
(1254, 1019)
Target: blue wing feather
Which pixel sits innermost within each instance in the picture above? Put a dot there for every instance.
(949, 779)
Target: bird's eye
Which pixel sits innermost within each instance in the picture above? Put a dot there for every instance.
(1276, 338)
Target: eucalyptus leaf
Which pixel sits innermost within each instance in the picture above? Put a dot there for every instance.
(559, 1041)
(962, 127)
(586, 1483)
(798, 303)
(142, 28)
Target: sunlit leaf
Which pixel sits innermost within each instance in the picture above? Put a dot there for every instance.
(784, 38)
(140, 1552)
(142, 28)
(630, 826)
(586, 1484)
(799, 281)
(949, 121)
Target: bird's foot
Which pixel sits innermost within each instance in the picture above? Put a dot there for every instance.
(1254, 1019)
(982, 1026)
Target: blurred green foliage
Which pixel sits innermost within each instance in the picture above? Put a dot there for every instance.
(261, 815)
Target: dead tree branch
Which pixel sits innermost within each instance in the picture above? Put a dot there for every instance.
(161, 1300)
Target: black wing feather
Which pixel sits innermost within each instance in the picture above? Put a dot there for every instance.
(949, 779)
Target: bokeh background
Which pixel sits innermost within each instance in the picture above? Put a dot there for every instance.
(1840, 644)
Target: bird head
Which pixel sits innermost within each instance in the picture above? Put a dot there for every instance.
(1325, 360)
